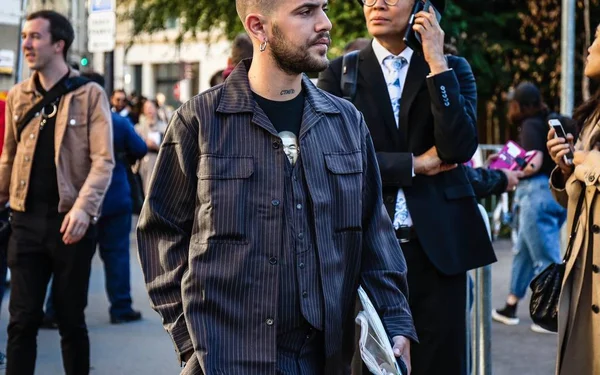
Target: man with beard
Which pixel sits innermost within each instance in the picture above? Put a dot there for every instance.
(251, 260)
(420, 107)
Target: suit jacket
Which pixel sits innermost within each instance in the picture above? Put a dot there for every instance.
(436, 111)
(211, 224)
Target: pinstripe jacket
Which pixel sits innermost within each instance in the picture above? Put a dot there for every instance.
(208, 229)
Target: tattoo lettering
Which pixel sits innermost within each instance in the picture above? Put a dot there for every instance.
(287, 92)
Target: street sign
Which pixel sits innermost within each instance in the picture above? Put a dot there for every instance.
(7, 61)
(102, 27)
(102, 6)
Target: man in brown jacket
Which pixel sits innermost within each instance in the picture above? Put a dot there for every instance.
(55, 173)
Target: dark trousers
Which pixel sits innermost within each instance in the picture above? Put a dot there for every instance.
(113, 240)
(438, 305)
(35, 253)
(301, 352)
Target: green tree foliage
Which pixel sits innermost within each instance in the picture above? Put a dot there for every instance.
(505, 41)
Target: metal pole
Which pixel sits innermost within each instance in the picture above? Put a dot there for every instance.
(567, 80)
(483, 339)
(109, 72)
(19, 67)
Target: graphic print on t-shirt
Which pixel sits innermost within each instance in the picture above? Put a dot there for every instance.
(290, 146)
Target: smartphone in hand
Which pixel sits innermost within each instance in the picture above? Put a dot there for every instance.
(559, 132)
(411, 37)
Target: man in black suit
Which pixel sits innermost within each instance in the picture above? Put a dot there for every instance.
(421, 111)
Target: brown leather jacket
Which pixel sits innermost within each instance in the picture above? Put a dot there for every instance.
(83, 143)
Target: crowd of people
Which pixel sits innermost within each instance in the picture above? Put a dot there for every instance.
(269, 199)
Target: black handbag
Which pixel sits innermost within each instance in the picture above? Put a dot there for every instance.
(546, 287)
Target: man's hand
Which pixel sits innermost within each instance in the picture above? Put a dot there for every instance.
(74, 226)
(432, 37)
(430, 164)
(402, 349)
(513, 178)
(559, 147)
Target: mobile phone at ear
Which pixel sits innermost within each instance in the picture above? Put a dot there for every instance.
(411, 37)
(559, 132)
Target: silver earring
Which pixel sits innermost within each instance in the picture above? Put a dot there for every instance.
(263, 46)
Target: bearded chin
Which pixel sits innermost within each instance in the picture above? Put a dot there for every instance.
(294, 60)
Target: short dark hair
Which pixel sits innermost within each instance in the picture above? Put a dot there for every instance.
(94, 77)
(60, 27)
(118, 91)
(241, 48)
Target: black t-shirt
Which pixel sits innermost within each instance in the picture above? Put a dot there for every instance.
(285, 116)
(43, 196)
(533, 136)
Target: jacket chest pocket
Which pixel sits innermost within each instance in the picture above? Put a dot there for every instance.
(345, 176)
(223, 184)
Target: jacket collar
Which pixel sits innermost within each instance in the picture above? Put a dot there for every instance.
(29, 85)
(237, 95)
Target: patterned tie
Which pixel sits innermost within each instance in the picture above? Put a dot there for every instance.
(394, 65)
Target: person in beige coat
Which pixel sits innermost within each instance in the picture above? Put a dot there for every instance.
(152, 130)
(579, 306)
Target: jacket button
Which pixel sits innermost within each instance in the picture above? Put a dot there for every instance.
(275, 202)
(22, 182)
(595, 268)
(300, 235)
(273, 260)
(301, 265)
(595, 229)
(270, 322)
(27, 158)
(595, 309)
(304, 294)
(591, 178)
(31, 136)
(276, 145)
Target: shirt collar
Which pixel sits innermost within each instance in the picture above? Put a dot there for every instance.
(381, 53)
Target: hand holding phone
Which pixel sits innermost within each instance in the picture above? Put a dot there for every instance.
(411, 37)
(559, 132)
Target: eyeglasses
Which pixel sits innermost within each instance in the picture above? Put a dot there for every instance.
(370, 3)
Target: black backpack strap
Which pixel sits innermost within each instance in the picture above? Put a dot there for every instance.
(70, 84)
(349, 79)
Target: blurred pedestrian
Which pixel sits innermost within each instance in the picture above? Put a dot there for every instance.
(579, 306)
(114, 226)
(540, 217)
(152, 130)
(121, 104)
(55, 168)
(164, 110)
(241, 49)
(356, 45)
(265, 213)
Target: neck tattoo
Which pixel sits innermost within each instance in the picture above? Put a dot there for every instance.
(287, 92)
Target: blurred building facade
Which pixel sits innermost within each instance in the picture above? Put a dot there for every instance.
(157, 63)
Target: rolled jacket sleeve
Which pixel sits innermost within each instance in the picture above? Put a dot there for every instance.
(383, 270)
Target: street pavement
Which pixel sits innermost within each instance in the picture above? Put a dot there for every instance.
(144, 348)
